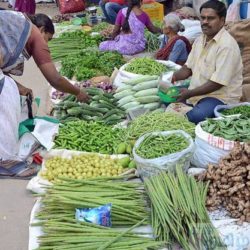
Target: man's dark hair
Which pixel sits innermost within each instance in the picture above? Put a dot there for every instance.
(216, 5)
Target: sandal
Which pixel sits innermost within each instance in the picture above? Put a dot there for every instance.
(16, 170)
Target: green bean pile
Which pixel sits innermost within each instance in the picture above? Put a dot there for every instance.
(243, 110)
(69, 235)
(178, 211)
(89, 137)
(127, 199)
(154, 146)
(146, 66)
(230, 128)
(158, 121)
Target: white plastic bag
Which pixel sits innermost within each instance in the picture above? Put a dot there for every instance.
(125, 75)
(220, 108)
(233, 11)
(209, 148)
(149, 167)
(192, 29)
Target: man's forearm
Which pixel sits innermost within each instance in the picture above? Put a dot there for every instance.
(182, 74)
(206, 88)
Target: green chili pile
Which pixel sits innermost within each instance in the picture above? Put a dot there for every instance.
(89, 137)
(154, 146)
(146, 66)
(158, 121)
(178, 211)
(242, 110)
(230, 128)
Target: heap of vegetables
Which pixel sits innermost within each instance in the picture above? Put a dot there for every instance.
(89, 137)
(240, 110)
(146, 66)
(230, 128)
(127, 199)
(229, 183)
(154, 146)
(72, 43)
(140, 92)
(102, 108)
(81, 167)
(89, 63)
(178, 211)
(158, 121)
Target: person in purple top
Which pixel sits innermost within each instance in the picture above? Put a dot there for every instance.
(128, 34)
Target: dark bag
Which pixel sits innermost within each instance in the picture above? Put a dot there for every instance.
(71, 6)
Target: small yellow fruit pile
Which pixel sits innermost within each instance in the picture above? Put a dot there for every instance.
(82, 167)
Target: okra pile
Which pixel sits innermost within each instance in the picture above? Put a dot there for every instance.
(89, 137)
(230, 128)
(154, 146)
(102, 107)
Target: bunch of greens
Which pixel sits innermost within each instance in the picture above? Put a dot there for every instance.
(90, 63)
(72, 43)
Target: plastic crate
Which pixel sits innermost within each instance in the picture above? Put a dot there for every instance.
(154, 10)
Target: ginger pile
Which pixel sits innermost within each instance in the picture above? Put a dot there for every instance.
(229, 183)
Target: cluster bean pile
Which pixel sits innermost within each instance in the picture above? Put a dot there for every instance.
(242, 110)
(158, 121)
(229, 183)
(66, 234)
(230, 128)
(89, 137)
(71, 43)
(81, 167)
(154, 146)
(178, 211)
(127, 199)
(146, 66)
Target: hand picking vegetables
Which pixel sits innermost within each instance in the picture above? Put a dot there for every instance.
(230, 128)
(154, 146)
(127, 199)
(146, 66)
(140, 92)
(178, 211)
(158, 121)
(102, 108)
(229, 183)
(240, 110)
(67, 234)
(82, 167)
(89, 137)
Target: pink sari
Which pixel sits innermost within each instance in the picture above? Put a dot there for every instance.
(26, 6)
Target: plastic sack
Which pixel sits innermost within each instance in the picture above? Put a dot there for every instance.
(98, 215)
(220, 108)
(233, 11)
(209, 148)
(125, 75)
(150, 167)
(192, 29)
(71, 6)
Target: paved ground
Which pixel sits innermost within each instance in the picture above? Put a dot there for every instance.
(15, 202)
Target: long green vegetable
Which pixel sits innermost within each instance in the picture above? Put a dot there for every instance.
(127, 199)
(179, 212)
(158, 121)
(242, 110)
(146, 66)
(154, 146)
(89, 137)
(230, 128)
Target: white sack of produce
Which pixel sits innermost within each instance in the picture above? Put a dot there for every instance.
(210, 148)
(37, 183)
(149, 167)
(192, 29)
(125, 75)
(232, 109)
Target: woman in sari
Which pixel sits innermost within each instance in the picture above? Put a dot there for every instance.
(128, 34)
(26, 6)
(22, 37)
(174, 48)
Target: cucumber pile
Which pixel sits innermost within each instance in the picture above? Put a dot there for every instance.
(102, 108)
